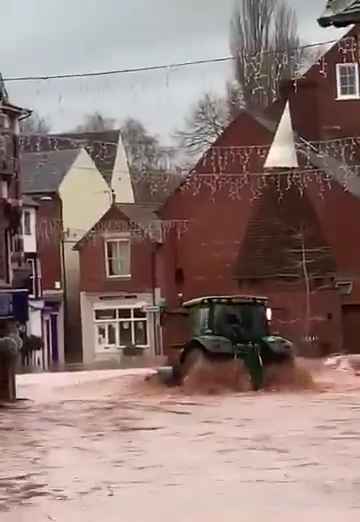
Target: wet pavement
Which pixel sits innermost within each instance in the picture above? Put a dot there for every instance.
(106, 446)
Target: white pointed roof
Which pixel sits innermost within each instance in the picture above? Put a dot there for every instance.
(282, 153)
(121, 179)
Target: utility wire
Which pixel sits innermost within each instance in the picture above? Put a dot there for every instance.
(148, 68)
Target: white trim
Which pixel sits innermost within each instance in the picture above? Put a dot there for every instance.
(4, 121)
(4, 189)
(344, 287)
(32, 263)
(28, 213)
(117, 347)
(117, 239)
(340, 96)
(116, 235)
(53, 293)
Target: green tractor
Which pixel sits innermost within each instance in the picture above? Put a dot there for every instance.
(233, 327)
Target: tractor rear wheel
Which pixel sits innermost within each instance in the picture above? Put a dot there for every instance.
(193, 357)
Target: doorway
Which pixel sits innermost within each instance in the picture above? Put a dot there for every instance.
(51, 341)
(351, 328)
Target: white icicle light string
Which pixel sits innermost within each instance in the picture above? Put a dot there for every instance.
(233, 167)
(49, 230)
(217, 156)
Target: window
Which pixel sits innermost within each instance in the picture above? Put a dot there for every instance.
(117, 254)
(117, 328)
(199, 319)
(17, 245)
(4, 121)
(27, 222)
(33, 278)
(347, 79)
(4, 189)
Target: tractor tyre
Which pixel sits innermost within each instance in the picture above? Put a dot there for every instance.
(193, 356)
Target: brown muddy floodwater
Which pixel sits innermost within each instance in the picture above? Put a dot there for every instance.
(106, 446)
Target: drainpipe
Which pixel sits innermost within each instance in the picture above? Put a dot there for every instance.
(63, 267)
(153, 289)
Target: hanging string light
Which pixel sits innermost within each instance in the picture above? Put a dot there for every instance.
(218, 157)
(49, 230)
(230, 168)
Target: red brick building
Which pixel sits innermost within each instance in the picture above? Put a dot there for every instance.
(287, 234)
(118, 285)
(75, 279)
(244, 228)
(47, 160)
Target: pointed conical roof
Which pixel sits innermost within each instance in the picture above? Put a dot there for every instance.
(273, 241)
(282, 153)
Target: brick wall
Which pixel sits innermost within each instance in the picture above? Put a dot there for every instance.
(93, 269)
(208, 252)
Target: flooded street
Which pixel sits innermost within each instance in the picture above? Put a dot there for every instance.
(107, 446)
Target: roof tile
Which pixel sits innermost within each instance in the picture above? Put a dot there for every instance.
(43, 172)
(101, 146)
(275, 234)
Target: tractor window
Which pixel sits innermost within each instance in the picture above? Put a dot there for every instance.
(245, 322)
(199, 318)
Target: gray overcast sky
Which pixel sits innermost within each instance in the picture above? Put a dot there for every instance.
(51, 36)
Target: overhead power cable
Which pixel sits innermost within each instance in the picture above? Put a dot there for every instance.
(148, 68)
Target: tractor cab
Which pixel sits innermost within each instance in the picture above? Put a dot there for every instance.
(239, 319)
(233, 327)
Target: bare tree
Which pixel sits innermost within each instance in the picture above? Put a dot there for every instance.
(265, 44)
(310, 261)
(150, 164)
(264, 41)
(142, 148)
(96, 122)
(144, 152)
(36, 124)
(207, 120)
(234, 99)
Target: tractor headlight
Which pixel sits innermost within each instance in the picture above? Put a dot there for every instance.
(269, 314)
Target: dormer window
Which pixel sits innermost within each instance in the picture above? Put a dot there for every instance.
(4, 121)
(4, 189)
(347, 80)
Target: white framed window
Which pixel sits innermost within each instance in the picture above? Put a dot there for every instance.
(347, 81)
(120, 327)
(117, 257)
(35, 277)
(4, 189)
(27, 223)
(17, 244)
(4, 121)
